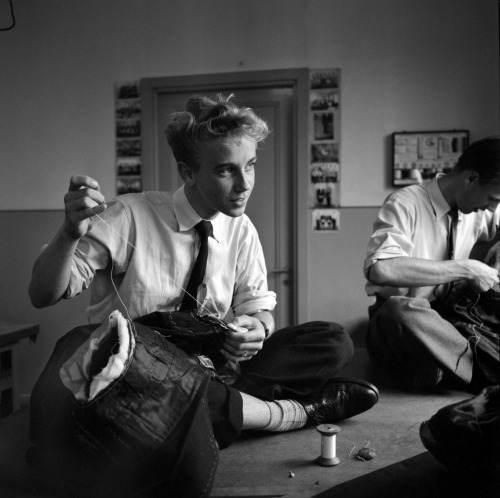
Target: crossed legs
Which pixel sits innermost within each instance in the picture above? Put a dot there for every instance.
(408, 336)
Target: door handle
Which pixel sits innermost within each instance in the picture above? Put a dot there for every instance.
(285, 269)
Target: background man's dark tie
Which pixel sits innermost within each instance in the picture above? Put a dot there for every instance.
(204, 228)
(452, 232)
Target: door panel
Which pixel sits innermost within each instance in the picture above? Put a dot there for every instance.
(270, 206)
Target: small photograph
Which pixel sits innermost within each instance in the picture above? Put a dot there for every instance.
(128, 185)
(326, 220)
(128, 90)
(128, 167)
(324, 172)
(325, 153)
(405, 147)
(428, 148)
(323, 125)
(325, 195)
(128, 148)
(127, 109)
(324, 79)
(324, 100)
(128, 128)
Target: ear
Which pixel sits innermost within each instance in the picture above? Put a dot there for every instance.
(471, 176)
(185, 172)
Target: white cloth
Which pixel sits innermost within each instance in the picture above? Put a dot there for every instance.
(151, 246)
(413, 222)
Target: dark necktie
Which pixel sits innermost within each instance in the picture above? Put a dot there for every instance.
(452, 232)
(204, 228)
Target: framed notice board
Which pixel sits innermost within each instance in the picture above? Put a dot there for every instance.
(418, 156)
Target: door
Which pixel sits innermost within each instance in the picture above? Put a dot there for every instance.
(271, 205)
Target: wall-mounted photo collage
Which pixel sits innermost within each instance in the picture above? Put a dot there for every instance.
(128, 137)
(324, 143)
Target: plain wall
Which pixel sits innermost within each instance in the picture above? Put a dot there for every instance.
(406, 65)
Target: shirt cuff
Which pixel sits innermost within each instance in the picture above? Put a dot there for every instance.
(253, 302)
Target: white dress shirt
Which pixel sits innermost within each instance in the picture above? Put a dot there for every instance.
(414, 222)
(148, 243)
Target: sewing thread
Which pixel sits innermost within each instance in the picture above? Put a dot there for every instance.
(111, 228)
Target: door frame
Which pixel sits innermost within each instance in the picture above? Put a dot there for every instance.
(298, 80)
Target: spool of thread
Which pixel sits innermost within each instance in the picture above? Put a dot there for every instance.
(328, 456)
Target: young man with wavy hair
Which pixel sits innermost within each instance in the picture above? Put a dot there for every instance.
(138, 255)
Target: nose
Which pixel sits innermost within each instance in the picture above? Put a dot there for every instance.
(244, 181)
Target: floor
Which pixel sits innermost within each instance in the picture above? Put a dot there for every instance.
(263, 464)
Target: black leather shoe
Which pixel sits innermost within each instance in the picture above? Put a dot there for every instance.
(340, 399)
(465, 436)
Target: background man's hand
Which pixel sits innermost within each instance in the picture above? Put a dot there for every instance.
(484, 277)
(246, 339)
(82, 201)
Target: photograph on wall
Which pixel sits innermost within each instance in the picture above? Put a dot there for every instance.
(325, 194)
(419, 156)
(323, 126)
(324, 138)
(128, 137)
(128, 90)
(326, 220)
(128, 185)
(128, 109)
(324, 172)
(324, 100)
(128, 148)
(128, 167)
(126, 128)
(324, 152)
(324, 78)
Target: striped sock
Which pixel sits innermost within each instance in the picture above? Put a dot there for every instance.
(286, 415)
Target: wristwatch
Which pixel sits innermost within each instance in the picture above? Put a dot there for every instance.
(266, 330)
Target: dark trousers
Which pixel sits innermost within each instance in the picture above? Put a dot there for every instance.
(294, 362)
(408, 335)
(477, 317)
(460, 333)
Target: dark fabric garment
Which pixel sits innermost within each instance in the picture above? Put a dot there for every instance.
(461, 328)
(465, 436)
(226, 412)
(416, 477)
(193, 333)
(51, 404)
(477, 317)
(111, 444)
(296, 361)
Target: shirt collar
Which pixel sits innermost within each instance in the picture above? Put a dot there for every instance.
(187, 217)
(439, 203)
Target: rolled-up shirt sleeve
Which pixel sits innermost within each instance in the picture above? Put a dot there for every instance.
(89, 257)
(94, 249)
(251, 294)
(392, 234)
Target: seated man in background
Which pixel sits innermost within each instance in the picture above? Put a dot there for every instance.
(137, 254)
(419, 250)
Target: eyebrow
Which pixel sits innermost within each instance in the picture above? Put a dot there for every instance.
(225, 165)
